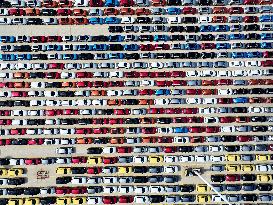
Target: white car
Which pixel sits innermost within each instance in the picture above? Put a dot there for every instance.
(37, 84)
(181, 140)
(19, 122)
(209, 101)
(186, 158)
(116, 74)
(256, 109)
(255, 72)
(126, 189)
(174, 20)
(127, 20)
(156, 189)
(193, 73)
(68, 75)
(79, 180)
(239, 73)
(141, 189)
(224, 73)
(65, 150)
(203, 158)
(147, 83)
(140, 159)
(141, 199)
(123, 65)
(205, 19)
(194, 101)
(114, 93)
(171, 159)
(216, 148)
(109, 150)
(99, 102)
(161, 101)
(16, 161)
(110, 180)
(225, 91)
(227, 129)
(208, 110)
(65, 160)
(263, 167)
(110, 189)
(94, 200)
(235, 64)
(81, 3)
(171, 169)
(220, 158)
(253, 63)
(208, 73)
(156, 65)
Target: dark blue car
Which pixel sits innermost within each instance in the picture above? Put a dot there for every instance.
(116, 38)
(112, 20)
(267, 36)
(237, 36)
(221, 28)
(100, 47)
(266, 45)
(192, 46)
(131, 47)
(173, 11)
(222, 46)
(240, 100)
(238, 54)
(207, 28)
(255, 54)
(111, 3)
(161, 38)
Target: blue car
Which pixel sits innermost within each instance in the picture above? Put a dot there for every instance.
(238, 55)
(206, 28)
(7, 39)
(192, 46)
(111, 3)
(221, 28)
(116, 38)
(112, 20)
(24, 57)
(116, 56)
(82, 47)
(265, 18)
(222, 46)
(267, 36)
(237, 36)
(255, 54)
(8, 57)
(180, 130)
(161, 38)
(240, 100)
(100, 47)
(95, 20)
(266, 45)
(131, 47)
(173, 11)
(162, 92)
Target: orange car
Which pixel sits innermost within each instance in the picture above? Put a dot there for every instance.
(143, 11)
(220, 10)
(209, 91)
(110, 11)
(84, 141)
(69, 85)
(32, 12)
(256, 82)
(50, 3)
(79, 12)
(119, 130)
(145, 102)
(158, 2)
(257, 100)
(269, 100)
(268, 82)
(65, 3)
(147, 120)
(208, 82)
(117, 140)
(21, 85)
(149, 140)
(219, 19)
(127, 11)
(65, 21)
(81, 21)
(114, 102)
(20, 75)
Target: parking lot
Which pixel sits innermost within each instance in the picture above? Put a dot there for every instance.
(89, 116)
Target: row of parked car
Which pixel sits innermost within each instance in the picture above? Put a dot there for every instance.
(141, 38)
(255, 9)
(138, 140)
(144, 20)
(126, 3)
(136, 130)
(147, 47)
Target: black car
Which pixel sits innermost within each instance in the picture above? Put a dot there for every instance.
(3, 201)
(173, 29)
(48, 200)
(228, 138)
(248, 177)
(78, 170)
(259, 128)
(178, 55)
(249, 197)
(192, 29)
(205, 55)
(16, 181)
(187, 188)
(205, 2)
(193, 55)
(32, 191)
(264, 187)
(190, 20)
(146, 38)
(131, 121)
(4, 161)
(257, 91)
(217, 178)
(240, 91)
(34, 21)
(239, 110)
(94, 150)
(115, 29)
(177, 38)
(233, 187)
(19, 141)
(164, 120)
(143, 20)
(232, 148)
(269, 91)
(99, 38)
(155, 179)
(116, 47)
(185, 149)
(129, 56)
(130, 102)
(252, 27)
(252, 36)
(16, 191)
(207, 37)
(174, 2)
(140, 179)
(157, 198)
(261, 147)
(155, 169)
(63, 180)
(48, 12)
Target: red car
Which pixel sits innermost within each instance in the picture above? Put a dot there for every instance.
(6, 122)
(163, 83)
(50, 3)
(193, 91)
(212, 129)
(96, 3)
(189, 110)
(232, 177)
(62, 190)
(5, 112)
(69, 112)
(177, 74)
(126, 199)
(32, 161)
(224, 82)
(81, 21)
(236, 10)
(173, 111)
(162, 46)
(251, 19)
(195, 119)
(122, 111)
(189, 10)
(196, 129)
(64, 12)
(251, 2)
(113, 121)
(267, 63)
(78, 190)
(146, 92)
(142, 11)
(100, 130)
(17, 131)
(38, 141)
(38, 39)
(4, 142)
(147, 47)
(19, 94)
(109, 160)
(244, 138)
(224, 100)
(81, 131)
(181, 120)
(55, 65)
(94, 170)
(155, 111)
(207, 46)
(78, 160)
(169, 149)
(16, 12)
(127, 3)
(161, 74)
(111, 11)
(226, 119)
(109, 200)
(165, 140)
(124, 149)
(127, 11)
(179, 83)
(267, 54)
(65, 3)
(148, 130)
(264, 2)
(197, 139)
(158, 2)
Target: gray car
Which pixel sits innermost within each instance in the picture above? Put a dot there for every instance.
(265, 197)
(213, 139)
(172, 188)
(170, 179)
(240, 82)
(249, 187)
(251, 10)
(194, 82)
(217, 168)
(235, 2)
(266, 9)
(233, 198)
(247, 157)
(233, 187)
(172, 199)
(155, 179)
(219, 187)
(189, 2)
(156, 169)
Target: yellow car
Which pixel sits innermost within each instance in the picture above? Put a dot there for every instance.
(232, 167)
(63, 170)
(156, 159)
(13, 172)
(32, 201)
(262, 157)
(247, 167)
(264, 177)
(15, 202)
(63, 201)
(203, 198)
(3, 172)
(79, 200)
(202, 188)
(94, 160)
(125, 170)
(232, 157)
